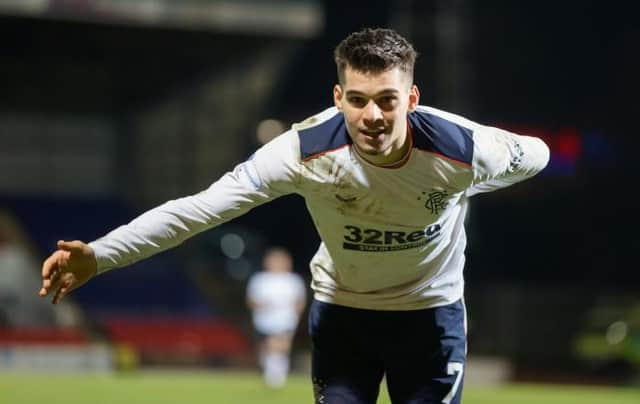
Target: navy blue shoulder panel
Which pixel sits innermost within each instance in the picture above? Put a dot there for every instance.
(329, 135)
(436, 134)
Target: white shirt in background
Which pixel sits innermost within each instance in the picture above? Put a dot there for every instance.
(276, 295)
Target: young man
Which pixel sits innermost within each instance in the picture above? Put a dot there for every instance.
(387, 182)
(276, 297)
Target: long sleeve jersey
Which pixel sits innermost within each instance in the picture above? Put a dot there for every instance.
(393, 238)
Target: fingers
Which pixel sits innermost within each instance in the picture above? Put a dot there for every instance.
(50, 265)
(52, 270)
(52, 283)
(65, 245)
(70, 246)
(60, 294)
(60, 286)
(49, 285)
(66, 269)
(67, 283)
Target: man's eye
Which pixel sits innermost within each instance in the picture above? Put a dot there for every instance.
(386, 102)
(357, 101)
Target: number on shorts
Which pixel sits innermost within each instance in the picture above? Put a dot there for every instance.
(454, 368)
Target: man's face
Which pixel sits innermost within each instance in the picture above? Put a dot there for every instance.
(375, 108)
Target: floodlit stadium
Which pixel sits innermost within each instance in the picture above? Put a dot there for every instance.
(110, 108)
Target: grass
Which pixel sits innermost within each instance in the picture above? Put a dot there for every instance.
(246, 388)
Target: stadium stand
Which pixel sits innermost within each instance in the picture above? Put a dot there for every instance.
(154, 309)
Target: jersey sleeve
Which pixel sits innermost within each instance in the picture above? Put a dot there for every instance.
(502, 158)
(272, 171)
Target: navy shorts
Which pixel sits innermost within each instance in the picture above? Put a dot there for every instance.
(421, 353)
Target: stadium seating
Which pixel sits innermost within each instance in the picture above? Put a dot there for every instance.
(152, 308)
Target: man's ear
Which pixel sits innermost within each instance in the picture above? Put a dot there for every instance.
(337, 96)
(414, 98)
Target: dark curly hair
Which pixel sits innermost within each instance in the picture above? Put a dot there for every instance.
(374, 50)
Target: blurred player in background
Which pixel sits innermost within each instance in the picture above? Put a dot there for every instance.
(276, 296)
(387, 182)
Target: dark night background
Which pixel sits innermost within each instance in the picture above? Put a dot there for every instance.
(546, 251)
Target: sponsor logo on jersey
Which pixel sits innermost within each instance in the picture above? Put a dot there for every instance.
(374, 240)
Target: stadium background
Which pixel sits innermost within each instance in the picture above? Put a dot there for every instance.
(110, 107)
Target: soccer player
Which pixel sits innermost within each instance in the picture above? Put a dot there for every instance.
(276, 296)
(387, 182)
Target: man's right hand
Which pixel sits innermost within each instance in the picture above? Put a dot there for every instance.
(71, 266)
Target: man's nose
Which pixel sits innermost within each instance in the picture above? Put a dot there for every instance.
(372, 112)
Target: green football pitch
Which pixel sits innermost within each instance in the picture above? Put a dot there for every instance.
(246, 388)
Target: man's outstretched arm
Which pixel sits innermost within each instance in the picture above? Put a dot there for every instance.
(271, 173)
(502, 158)
(69, 267)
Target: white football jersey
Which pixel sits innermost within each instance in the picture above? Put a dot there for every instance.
(276, 296)
(393, 238)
